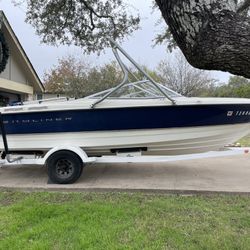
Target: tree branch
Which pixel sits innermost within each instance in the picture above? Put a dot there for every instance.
(243, 6)
(92, 11)
(68, 14)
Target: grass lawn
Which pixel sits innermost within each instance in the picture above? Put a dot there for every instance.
(123, 221)
(245, 142)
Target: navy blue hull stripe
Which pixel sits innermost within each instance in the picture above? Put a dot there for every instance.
(126, 118)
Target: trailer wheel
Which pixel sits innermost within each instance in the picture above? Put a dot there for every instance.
(64, 167)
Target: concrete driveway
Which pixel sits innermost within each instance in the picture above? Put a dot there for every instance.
(224, 174)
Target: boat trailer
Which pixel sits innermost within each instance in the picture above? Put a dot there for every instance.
(65, 163)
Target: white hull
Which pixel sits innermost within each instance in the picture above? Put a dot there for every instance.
(172, 141)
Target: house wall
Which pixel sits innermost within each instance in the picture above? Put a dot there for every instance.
(16, 75)
(16, 69)
(6, 73)
(19, 81)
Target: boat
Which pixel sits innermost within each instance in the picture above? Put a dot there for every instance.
(138, 115)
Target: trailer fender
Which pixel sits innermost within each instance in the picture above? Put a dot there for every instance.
(77, 150)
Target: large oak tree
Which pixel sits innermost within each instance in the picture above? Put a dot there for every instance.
(212, 34)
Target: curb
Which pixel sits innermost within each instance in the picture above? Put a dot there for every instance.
(119, 190)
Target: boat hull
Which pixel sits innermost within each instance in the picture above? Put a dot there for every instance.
(127, 118)
(163, 130)
(172, 141)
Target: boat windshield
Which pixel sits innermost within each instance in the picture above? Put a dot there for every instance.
(137, 90)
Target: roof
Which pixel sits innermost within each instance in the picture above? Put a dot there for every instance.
(35, 76)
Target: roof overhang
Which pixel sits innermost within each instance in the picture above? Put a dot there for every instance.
(14, 87)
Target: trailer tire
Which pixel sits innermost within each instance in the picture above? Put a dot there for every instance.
(64, 167)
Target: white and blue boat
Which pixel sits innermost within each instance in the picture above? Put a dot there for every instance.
(140, 116)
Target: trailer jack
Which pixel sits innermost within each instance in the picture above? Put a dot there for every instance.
(5, 143)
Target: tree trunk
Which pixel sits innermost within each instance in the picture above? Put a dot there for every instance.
(211, 34)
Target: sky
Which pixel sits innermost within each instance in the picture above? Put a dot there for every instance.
(139, 45)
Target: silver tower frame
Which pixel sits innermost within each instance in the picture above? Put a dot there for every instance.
(116, 48)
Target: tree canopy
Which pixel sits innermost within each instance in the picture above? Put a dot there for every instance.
(213, 35)
(75, 77)
(237, 87)
(84, 23)
(181, 77)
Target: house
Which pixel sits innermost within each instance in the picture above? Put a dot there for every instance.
(19, 81)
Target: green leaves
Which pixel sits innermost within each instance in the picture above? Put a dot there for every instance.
(166, 38)
(76, 78)
(84, 23)
(237, 87)
(4, 52)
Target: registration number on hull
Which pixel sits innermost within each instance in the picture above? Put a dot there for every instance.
(238, 113)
